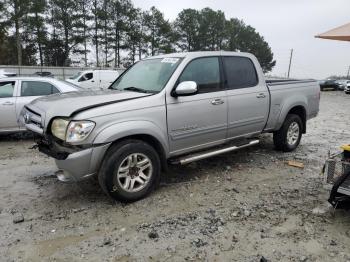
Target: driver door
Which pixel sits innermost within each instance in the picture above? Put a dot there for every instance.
(200, 120)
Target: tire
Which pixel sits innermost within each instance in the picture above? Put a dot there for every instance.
(280, 137)
(122, 165)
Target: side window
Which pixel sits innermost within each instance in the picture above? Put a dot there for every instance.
(7, 89)
(205, 72)
(86, 77)
(240, 72)
(36, 88)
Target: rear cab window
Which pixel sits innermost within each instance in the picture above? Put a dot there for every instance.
(240, 72)
(205, 72)
(37, 88)
(7, 89)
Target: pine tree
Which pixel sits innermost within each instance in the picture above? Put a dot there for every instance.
(84, 18)
(186, 29)
(65, 14)
(15, 13)
(158, 32)
(35, 26)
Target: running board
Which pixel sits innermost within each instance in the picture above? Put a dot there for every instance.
(202, 155)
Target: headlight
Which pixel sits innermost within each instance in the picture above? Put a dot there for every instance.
(79, 130)
(59, 128)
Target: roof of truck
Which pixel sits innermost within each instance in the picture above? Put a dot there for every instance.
(201, 53)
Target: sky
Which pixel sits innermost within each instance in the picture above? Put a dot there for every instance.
(285, 25)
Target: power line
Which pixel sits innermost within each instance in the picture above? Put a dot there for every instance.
(290, 61)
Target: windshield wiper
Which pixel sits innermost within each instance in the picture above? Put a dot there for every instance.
(137, 89)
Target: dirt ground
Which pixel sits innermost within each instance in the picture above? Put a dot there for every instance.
(235, 207)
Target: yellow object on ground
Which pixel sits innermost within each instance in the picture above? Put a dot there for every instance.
(295, 164)
(345, 147)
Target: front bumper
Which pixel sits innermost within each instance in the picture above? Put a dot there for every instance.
(75, 164)
(82, 164)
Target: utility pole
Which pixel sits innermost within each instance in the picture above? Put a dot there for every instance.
(348, 73)
(290, 61)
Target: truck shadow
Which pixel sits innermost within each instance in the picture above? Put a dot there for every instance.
(89, 191)
(20, 136)
(219, 166)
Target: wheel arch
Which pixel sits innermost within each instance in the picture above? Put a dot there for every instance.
(140, 130)
(297, 109)
(301, 112)
(152, 141)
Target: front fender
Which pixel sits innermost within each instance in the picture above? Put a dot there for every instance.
(130, 128)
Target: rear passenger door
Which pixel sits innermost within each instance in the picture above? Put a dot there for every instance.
(247, 95)
(199, 120)
(30, 90)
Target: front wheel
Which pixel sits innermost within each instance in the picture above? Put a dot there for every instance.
(288, 137)
(130, 171)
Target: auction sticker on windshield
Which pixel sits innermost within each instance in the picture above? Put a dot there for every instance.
(170, 60)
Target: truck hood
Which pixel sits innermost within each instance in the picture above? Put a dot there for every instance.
(68, 104)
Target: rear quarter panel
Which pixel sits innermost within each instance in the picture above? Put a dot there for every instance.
(286, 96)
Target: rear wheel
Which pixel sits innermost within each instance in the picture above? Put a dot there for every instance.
(130, 171)
(288, 137)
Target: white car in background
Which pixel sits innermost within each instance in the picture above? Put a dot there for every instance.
(4, 73)
(15, 92)
(347, 88)
(94, 79)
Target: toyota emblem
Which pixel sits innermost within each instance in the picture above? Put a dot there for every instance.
(26, 118)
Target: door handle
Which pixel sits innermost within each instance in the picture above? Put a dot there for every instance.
(217, 101)
(261, 95)
(8, 104)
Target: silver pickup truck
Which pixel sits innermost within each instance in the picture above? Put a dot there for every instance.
(174, 108)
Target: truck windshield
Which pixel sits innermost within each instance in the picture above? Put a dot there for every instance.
(147, 76)
(76, 75)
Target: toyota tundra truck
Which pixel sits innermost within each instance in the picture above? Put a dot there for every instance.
(168, 109)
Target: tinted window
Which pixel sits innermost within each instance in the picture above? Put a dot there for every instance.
(6, 89)
(240, 72)
(86, 77)
(205, 72)
(36, 88)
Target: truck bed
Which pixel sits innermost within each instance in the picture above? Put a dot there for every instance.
(272, 82)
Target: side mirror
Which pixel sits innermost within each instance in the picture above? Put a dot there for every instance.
(186, 88)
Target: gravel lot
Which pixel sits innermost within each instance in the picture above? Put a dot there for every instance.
(235, 207)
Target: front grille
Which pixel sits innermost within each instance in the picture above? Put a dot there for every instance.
(32, 121)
